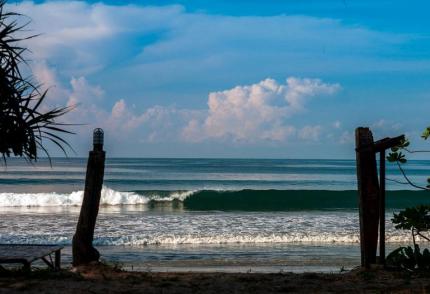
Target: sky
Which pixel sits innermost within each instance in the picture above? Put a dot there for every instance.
(256, 79)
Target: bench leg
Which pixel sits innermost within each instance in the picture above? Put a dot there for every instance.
(26, 267)
(48, 263)
(58, 260)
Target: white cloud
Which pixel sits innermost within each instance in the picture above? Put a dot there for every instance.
(48, 79)
(155, 124)
(252, 113)
(259, 111)
(83, 92)
(85, 38)
(119, 109)
(298, 90)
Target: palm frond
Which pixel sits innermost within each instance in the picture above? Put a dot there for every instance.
(22, 125)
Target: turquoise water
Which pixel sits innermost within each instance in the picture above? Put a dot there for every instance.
(230, 213)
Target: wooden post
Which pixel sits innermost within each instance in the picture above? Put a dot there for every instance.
(380, 146)
(57, 263)
(368, 189)
(371, 193)
(83, 250)
(382, 207)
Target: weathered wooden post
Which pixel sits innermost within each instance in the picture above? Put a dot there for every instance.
(83, 250)
(368, 189)
(371, 193)
(382, 207)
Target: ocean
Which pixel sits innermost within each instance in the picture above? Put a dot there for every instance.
(266, 215)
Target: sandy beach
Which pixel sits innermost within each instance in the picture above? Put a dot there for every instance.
(105, 279)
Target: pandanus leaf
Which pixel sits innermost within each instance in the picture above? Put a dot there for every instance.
(23, 126)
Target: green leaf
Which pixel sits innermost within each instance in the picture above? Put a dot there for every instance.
(405, 143)
(426, 134)
(396, 157)
(392, 157)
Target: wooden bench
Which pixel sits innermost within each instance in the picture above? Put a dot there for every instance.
(26, 254)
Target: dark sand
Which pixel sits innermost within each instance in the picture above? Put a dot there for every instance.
(104, 279)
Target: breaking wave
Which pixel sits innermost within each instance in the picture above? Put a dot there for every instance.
(218, 239)
(223, 200)
(108, 197)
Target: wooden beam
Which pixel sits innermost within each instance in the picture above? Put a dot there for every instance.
(386, 143)
(382, 144)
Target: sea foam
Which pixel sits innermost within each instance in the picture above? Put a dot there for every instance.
(108, 197)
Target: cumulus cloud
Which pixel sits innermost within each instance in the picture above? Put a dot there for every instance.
(298, 90)
(259, 111)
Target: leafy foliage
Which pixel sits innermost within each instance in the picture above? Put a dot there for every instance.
(413, 218)
(417, 220)
(409, 259)
(396, 155)
(23, 125)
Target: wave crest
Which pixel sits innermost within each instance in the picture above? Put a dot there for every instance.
(222, 200)
(108, 197)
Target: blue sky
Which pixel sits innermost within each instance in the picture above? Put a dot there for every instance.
(289, 79)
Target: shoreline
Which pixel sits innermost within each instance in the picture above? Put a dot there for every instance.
(232, 258)
(106, 279)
